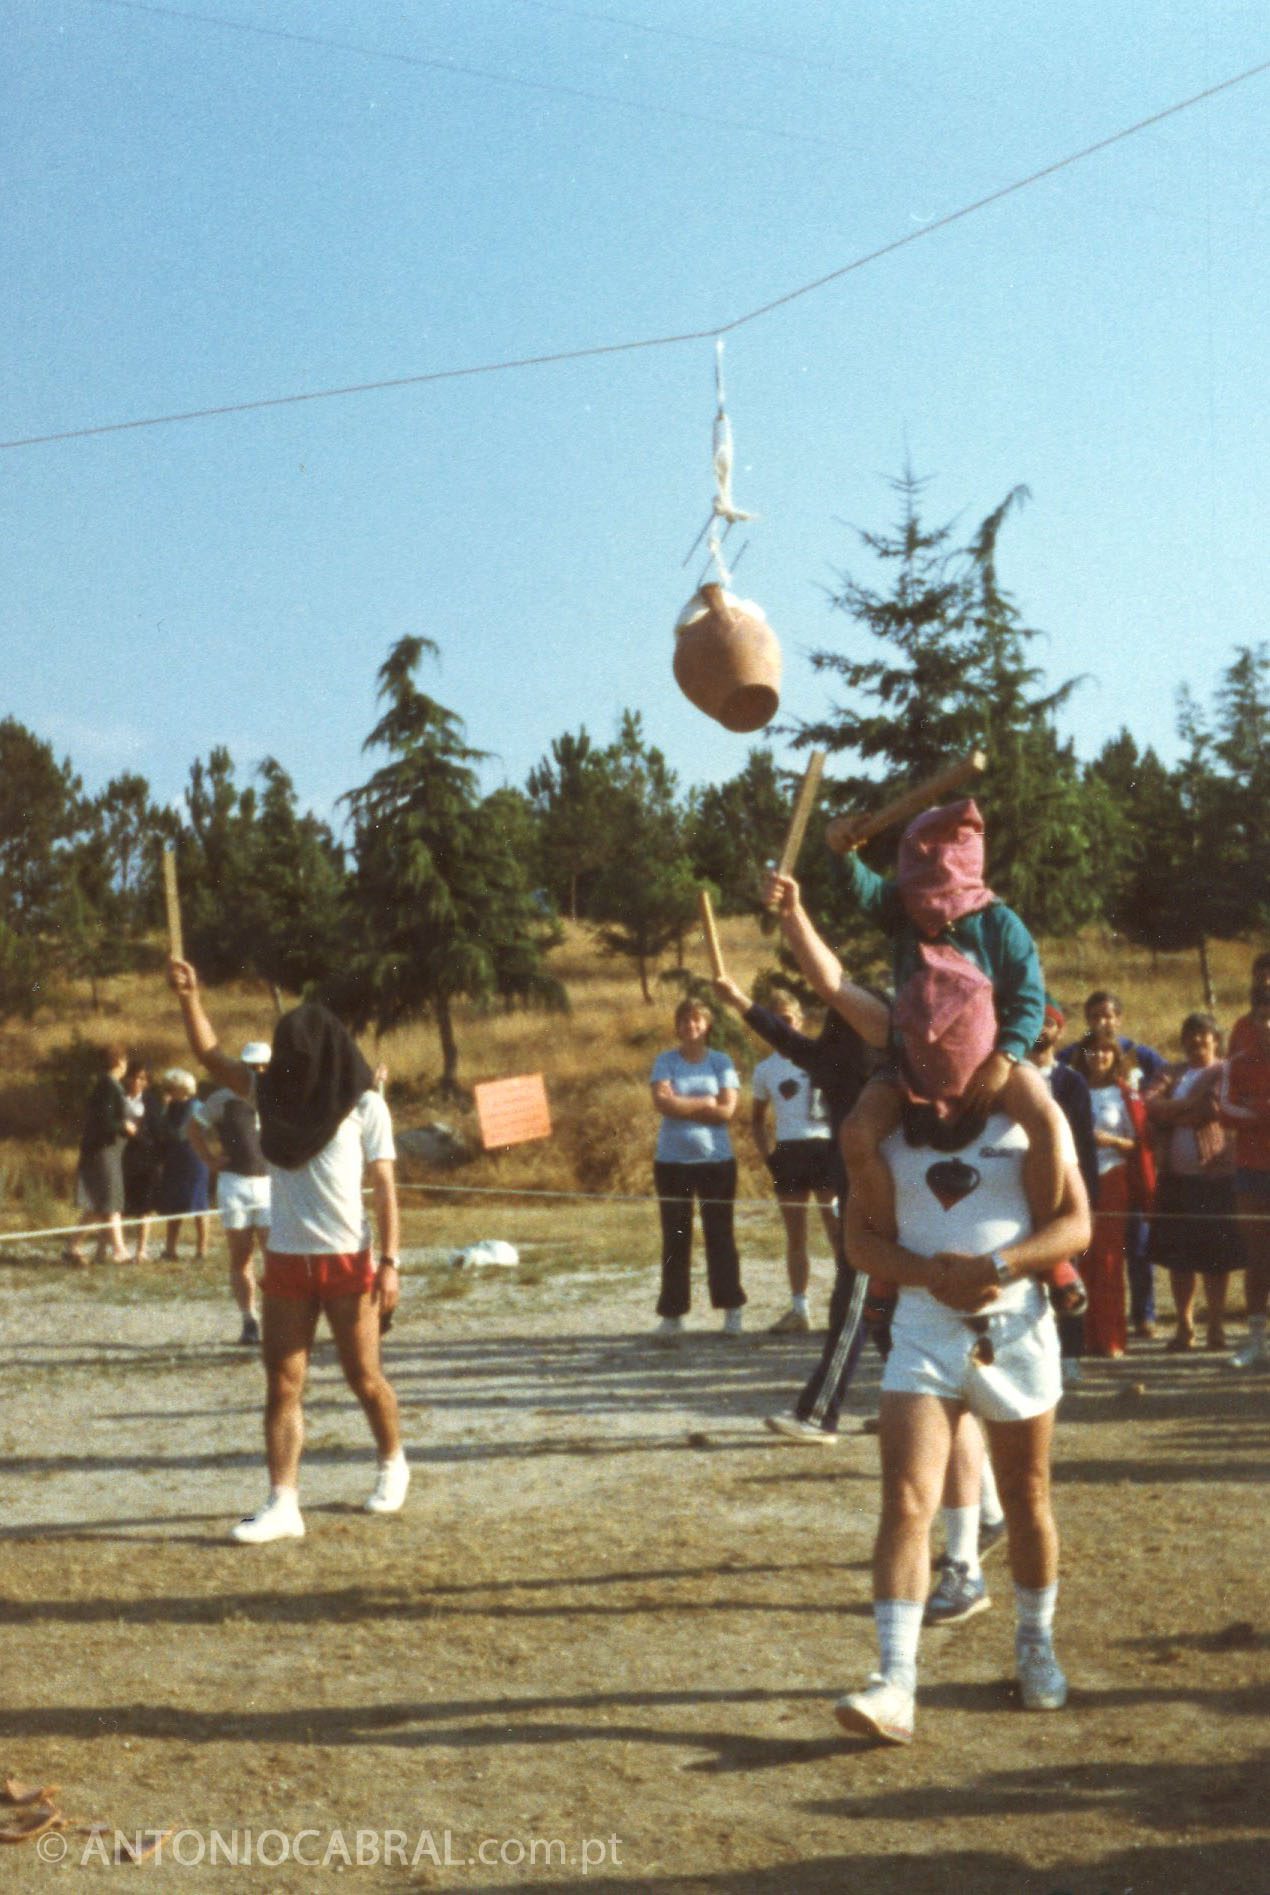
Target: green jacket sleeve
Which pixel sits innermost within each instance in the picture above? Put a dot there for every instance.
(871, 893)
(1017, 981)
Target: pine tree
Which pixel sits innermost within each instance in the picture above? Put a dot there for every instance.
(645, 896)
(569, 793)
(955, 676)
(441, 906)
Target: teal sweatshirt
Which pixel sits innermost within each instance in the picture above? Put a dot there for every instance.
(994, 939)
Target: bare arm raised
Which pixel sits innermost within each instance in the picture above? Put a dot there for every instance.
(820, 966)
(201, 1034)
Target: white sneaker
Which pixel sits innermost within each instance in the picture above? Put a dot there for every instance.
(1073, 1374)
(669, 1332)
(391, 1487)
(278, 1519)
(882, 1710)
(794, 1428)
(1255, 1354)
(794, 1322)
(1042, 1685)
(734, 1323)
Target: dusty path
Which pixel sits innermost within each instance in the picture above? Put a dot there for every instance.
(613, 1609)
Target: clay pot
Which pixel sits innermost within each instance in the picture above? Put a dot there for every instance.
(727, 660)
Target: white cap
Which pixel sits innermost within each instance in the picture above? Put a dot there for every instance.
(256, 1053)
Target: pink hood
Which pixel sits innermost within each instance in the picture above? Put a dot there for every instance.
(946, 1023)
(940, 873)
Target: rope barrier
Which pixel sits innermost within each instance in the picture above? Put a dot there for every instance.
(535, 1193)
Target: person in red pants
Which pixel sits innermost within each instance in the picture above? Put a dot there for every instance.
(1125, 1185)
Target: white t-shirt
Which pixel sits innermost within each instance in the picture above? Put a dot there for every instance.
(796, 1105)
(971, 1201)
(1111, 1114)
(318, 1210)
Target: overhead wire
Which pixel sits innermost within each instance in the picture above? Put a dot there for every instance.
(662, 341)
(734, 46)
(644, 108)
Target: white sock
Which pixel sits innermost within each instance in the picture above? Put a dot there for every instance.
(395, 1460)
(989, 1499)
(961, 1526)
(799, 1304)
(899, 1628)
(1034, 1614)
(285, 1493)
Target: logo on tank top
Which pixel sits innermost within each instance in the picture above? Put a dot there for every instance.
(951, 1180)
(788, 1088)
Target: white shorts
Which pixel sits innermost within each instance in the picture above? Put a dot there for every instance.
(243, 1202)
(932, 1353)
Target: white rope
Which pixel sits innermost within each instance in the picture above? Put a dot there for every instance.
(580, 1197)
(724, 507)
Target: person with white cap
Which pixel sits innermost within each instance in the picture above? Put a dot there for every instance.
(242, 1183)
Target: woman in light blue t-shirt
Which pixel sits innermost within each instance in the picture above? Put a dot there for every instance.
(695, 1092)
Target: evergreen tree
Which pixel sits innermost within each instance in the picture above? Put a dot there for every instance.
(42, 812)
(570, 795)
(955, 675)
(441, 907)
(735, 829)
(645, 896)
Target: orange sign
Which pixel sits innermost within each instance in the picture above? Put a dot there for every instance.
(512, 1111)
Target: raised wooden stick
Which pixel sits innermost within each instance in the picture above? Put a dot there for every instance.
(854, 830)
(711, 933)
(804, 802)
(172, 900)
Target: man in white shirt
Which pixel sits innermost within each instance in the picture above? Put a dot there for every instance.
(972, 1329)
(323, 1127)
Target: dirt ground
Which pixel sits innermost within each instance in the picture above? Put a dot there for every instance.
(599, 1648)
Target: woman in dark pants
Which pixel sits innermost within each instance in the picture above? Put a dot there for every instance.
(695, 1092)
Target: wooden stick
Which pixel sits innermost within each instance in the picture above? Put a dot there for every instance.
(172, 899)
(711, 933)
(808, 790)
(923, 795)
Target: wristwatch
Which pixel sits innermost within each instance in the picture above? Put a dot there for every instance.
(390, 1262)
(1004, 1273)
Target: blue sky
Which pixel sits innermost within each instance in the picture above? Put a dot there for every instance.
(200, 215)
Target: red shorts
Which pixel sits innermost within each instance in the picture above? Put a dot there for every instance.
(349, 1274)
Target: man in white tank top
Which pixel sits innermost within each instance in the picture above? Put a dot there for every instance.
(972, 1329)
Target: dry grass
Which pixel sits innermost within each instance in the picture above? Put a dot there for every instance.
(595, 1058)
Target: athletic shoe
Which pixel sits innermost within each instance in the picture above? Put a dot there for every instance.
(250, 1332)
(733, 1323)
(956, 1596)
(1255, 1354)
(390, 1489)
(795, 1322)
(883, 1710)
(1042, 1685)
(794, 1428)
(278, 1519)
(669, 1332)
(991, 1535)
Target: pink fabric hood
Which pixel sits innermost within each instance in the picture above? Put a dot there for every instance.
(940, 872)
(947, 1025)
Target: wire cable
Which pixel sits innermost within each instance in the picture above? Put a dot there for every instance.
(611, 100)
(665, 341)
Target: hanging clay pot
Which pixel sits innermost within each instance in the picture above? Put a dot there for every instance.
(727, 660)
